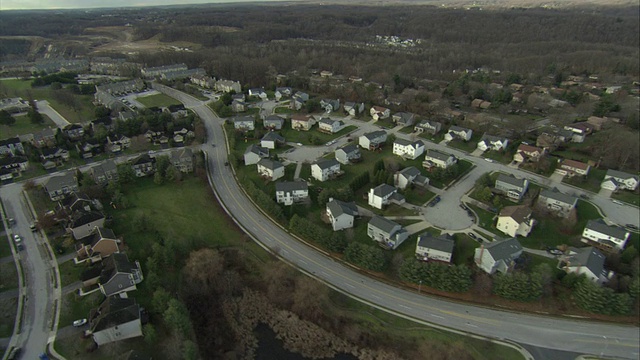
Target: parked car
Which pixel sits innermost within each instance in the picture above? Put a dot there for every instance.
(43, 356)
(472, 235)
(33, 227)
(79, 322)
(618, 202)
(19, 247)
(15, 354)
(489, 160)
(17, 238)
(585, 196)
(631, 227)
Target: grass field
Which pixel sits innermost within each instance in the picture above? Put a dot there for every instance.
(8, 276)
(157, 100)
(8, 308)
(24, 126)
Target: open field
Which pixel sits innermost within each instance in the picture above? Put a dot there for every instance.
(157, 100)
(24, 126)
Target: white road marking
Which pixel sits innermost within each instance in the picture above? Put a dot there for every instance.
(437, 316)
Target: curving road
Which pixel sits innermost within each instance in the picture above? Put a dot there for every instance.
(540, 332)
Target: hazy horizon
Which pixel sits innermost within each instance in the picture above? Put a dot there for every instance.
(93, 4)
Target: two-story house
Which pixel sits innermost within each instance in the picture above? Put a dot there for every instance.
(228, 86)
(101, 243)
(386, 232)
(579, 130)
(105, 172)
(143, 165)
(403, 118)
(458, 133)
(325, 169)
(258, 92)
(302, 122)
(183, 160)
(74, 131)
(515, 220)
(382, 195)
(528, 153)
(408, 176)
(12, 166)
(431, 247)
(54, 154)
(119, 275)
(347, 154)
(270, 169)
(379, 112)
(45, 137)
(341, 214)
(244, 123)
(254, 153)
(330, 126)
(373, 140)
(290, 192)
(273, 122)
(118, 143)
(83, 222)
(353, 109)
(499, 255)
(571, 168)
(587, 261)
(428, 126)
(330, 105)
(59, 186)
(271, 140)
(283, 92)
(114, 320)
(556, 202)
(616, 180)
(605, 237)
(435, 158)
(511, 186)
(491, 142)
(11, 146)
(408, 149)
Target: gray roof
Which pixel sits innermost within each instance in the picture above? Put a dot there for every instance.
(375, 134)
(589, 257)
(621, 174)
(243, 118)
(443, 242)
(349, 148)
(337, 208)
(600, 226)
(273, 118)
(383, 224)
(326, 163)
(273, 136)
(270, 164)
(58, 182)
(288, 186)
(383, 190)
(115, 311)
(458, 129)
(503, 249)
(555, 194)
(410, 172)
(510, 179)
(489, 137)
(438, 155)
(258, 150)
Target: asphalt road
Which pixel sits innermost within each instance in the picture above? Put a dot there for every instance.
(540, 332)
(43, 107)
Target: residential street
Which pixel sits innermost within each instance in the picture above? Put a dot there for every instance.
(540, 332)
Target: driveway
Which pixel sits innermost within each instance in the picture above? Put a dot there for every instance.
(555, 177)
(45, 108)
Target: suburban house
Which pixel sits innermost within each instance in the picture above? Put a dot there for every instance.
(605, 237)
(282, 92)
(239, 97)
(76, 201)
(548, 142)
(511, 186)
(12, 166)
(302, 95)
(349, 153)
(580, 131)
(273, 122)
(55, 154)
(302, 122)
(144, 165)
(117, 143)
(243, 123)
(290, 192)
(571, 168)
(428, 126)
(341, 214)
(258, 92)
(119, 275)
(373, 140)
(527, 153)
(435, 158)
(384, 194)
(408, 149)
(325, 169)
(87, 149)
(74, 131)
(515, 220)
(556, 202)
(59, 186)
(270, 169)
(158, 71)
(480, 104)
(379, 112)
(228, 86)
(101, 243)
(330, 105)
(386, 232)
(457, 132)
(254, 153)
(330, 126)
(616, 180)
(499, 255)
(297, 102)
(182, 160)
(82, 222)
(45, 137)
(238, 106)
(431, 247)
(408, 176)
(587, 261)
(271, 140)
(114, 320)
(11, 146)
(491, 142)
(403, 118)
(353, 109)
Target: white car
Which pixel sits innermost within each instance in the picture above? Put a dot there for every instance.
(79, 322)
(617, 202)
(489, 160)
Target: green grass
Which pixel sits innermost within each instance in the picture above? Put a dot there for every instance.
(503, 157)
(628, 197)
(24, 126)
(76, 307)
(70, 272)
(418, 195)
(75, 347)
(305, 137)
(8, 276)
(8, 308)
(485, 218)
(467, 146)
(464, 249)
(591, 183)
(407, 129)
(157, 100)
(5, 246)
(283, 110)
(437, 138)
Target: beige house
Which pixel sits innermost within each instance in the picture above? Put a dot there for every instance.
(515, 220)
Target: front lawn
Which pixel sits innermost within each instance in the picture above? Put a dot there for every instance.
(70, 272)
(157, 100)
(629, 197)
(591, 183)
(464, 249)
(8, 308)
(418, 195)
(76, 307)
(467, 146)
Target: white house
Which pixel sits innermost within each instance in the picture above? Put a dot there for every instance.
(579, 130)
(259, 92)
(515, 220)
(379, 112)
(384, 194)
(571, 168)
(490, 142)
(301, 122)
(325, 169)
(243, 123)
(409, 175)
(587, 261)
(408, 149)
(114, 320)
(271, 140)
(388, 233)
(270, 169)
(457, 132)
(281, 92)
(290, 192)
(603, 236)
(347, 154)
(429, 247)
(330, 105)
(330, 126)
(614, 180)
(373, 140)
(254, 153)
(556, 202)
(341, 214)
(498, 255)
(435, 158)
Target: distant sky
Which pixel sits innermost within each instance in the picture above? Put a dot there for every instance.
(83, 4)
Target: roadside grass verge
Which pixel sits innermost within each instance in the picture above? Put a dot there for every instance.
(628, 197)
(8, 276)
(8, 308)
